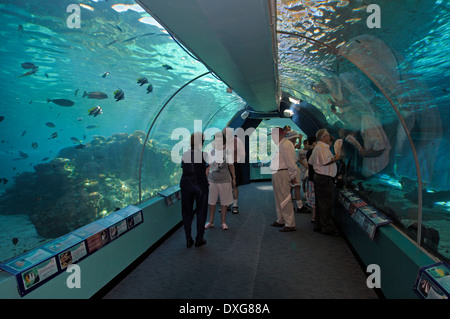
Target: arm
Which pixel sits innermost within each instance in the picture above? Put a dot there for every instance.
(233, 174)
(289, 154)
(336, 158)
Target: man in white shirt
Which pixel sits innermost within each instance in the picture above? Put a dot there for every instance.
(284, 172)
(325, 170)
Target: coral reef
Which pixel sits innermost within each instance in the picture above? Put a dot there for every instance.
(83, 184)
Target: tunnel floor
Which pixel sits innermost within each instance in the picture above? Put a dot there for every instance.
(251, 260)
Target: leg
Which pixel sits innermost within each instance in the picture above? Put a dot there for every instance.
(224, 214)
(212, 211)
(212, 200)
(324, 195)
(275, 181)
(202, 209)
(187, 203)
(284, 197)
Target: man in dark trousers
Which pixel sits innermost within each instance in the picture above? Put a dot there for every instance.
(325, 170)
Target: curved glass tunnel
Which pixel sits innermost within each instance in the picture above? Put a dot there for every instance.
(78, 104)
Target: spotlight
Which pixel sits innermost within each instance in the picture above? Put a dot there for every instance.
(245, 114)
(288, 113)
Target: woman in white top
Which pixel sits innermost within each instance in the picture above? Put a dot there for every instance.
(221, 178)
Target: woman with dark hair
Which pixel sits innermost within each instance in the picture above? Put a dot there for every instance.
(194, 188)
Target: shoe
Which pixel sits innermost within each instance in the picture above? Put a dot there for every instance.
(313, 220)
(224, 227)
(229, 208)
(287, 229)
(235, 210)
(209, 225)
(276, 224)
(199, 243)
(189, 243)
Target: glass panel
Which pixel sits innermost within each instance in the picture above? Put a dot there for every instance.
(71, 143)
(404, 63)
(205, 101)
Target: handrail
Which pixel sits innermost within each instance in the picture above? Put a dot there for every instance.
(402, 121)
(153, 123)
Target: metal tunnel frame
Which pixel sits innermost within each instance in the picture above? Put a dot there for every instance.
(402, 121)
(153, 123)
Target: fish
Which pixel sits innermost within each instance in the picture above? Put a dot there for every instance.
(28, 65)
(15, 240)
(168, 67)
(4, 180)
(96, 110)
(50, 124)
(74, 139)
(130, 39)
(76, 92)
(85, 6)
(22, 154)
(119, 95)
(91, 126)
(34, 145)
(45, 159)
(61, 102)
(105, 74)
(54, 135)
(79, 119)
(142, 81)
(149, 88)
(2, 118)
(33, 71)
(119, 28)
(23, 133)
(112, 42)
(46, 75)
(95, 95)
(20, 30)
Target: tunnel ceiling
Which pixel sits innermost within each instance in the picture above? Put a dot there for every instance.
(232, 38)
(235, 42)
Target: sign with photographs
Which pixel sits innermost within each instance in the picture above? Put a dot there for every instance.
(433, 281)
(171, 194)
(41, 264)
(366, 216)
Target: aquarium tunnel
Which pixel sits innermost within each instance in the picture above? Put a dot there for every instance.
(99, 100)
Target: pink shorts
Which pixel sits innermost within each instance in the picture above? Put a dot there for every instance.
(222, 191)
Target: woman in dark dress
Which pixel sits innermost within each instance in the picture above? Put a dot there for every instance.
(194, 188)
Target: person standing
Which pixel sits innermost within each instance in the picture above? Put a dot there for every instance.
(194, 188)
(221, 179)
(284, 172)
(238, 149)
(310, 195)
(292, 136)
(325, 170)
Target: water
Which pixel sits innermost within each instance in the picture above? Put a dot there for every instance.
(57, 183)
(90, 167)
(408, 57)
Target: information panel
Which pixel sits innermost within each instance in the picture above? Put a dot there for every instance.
(433, 281)
(37, 266)
(366, 216)
(171, 194)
